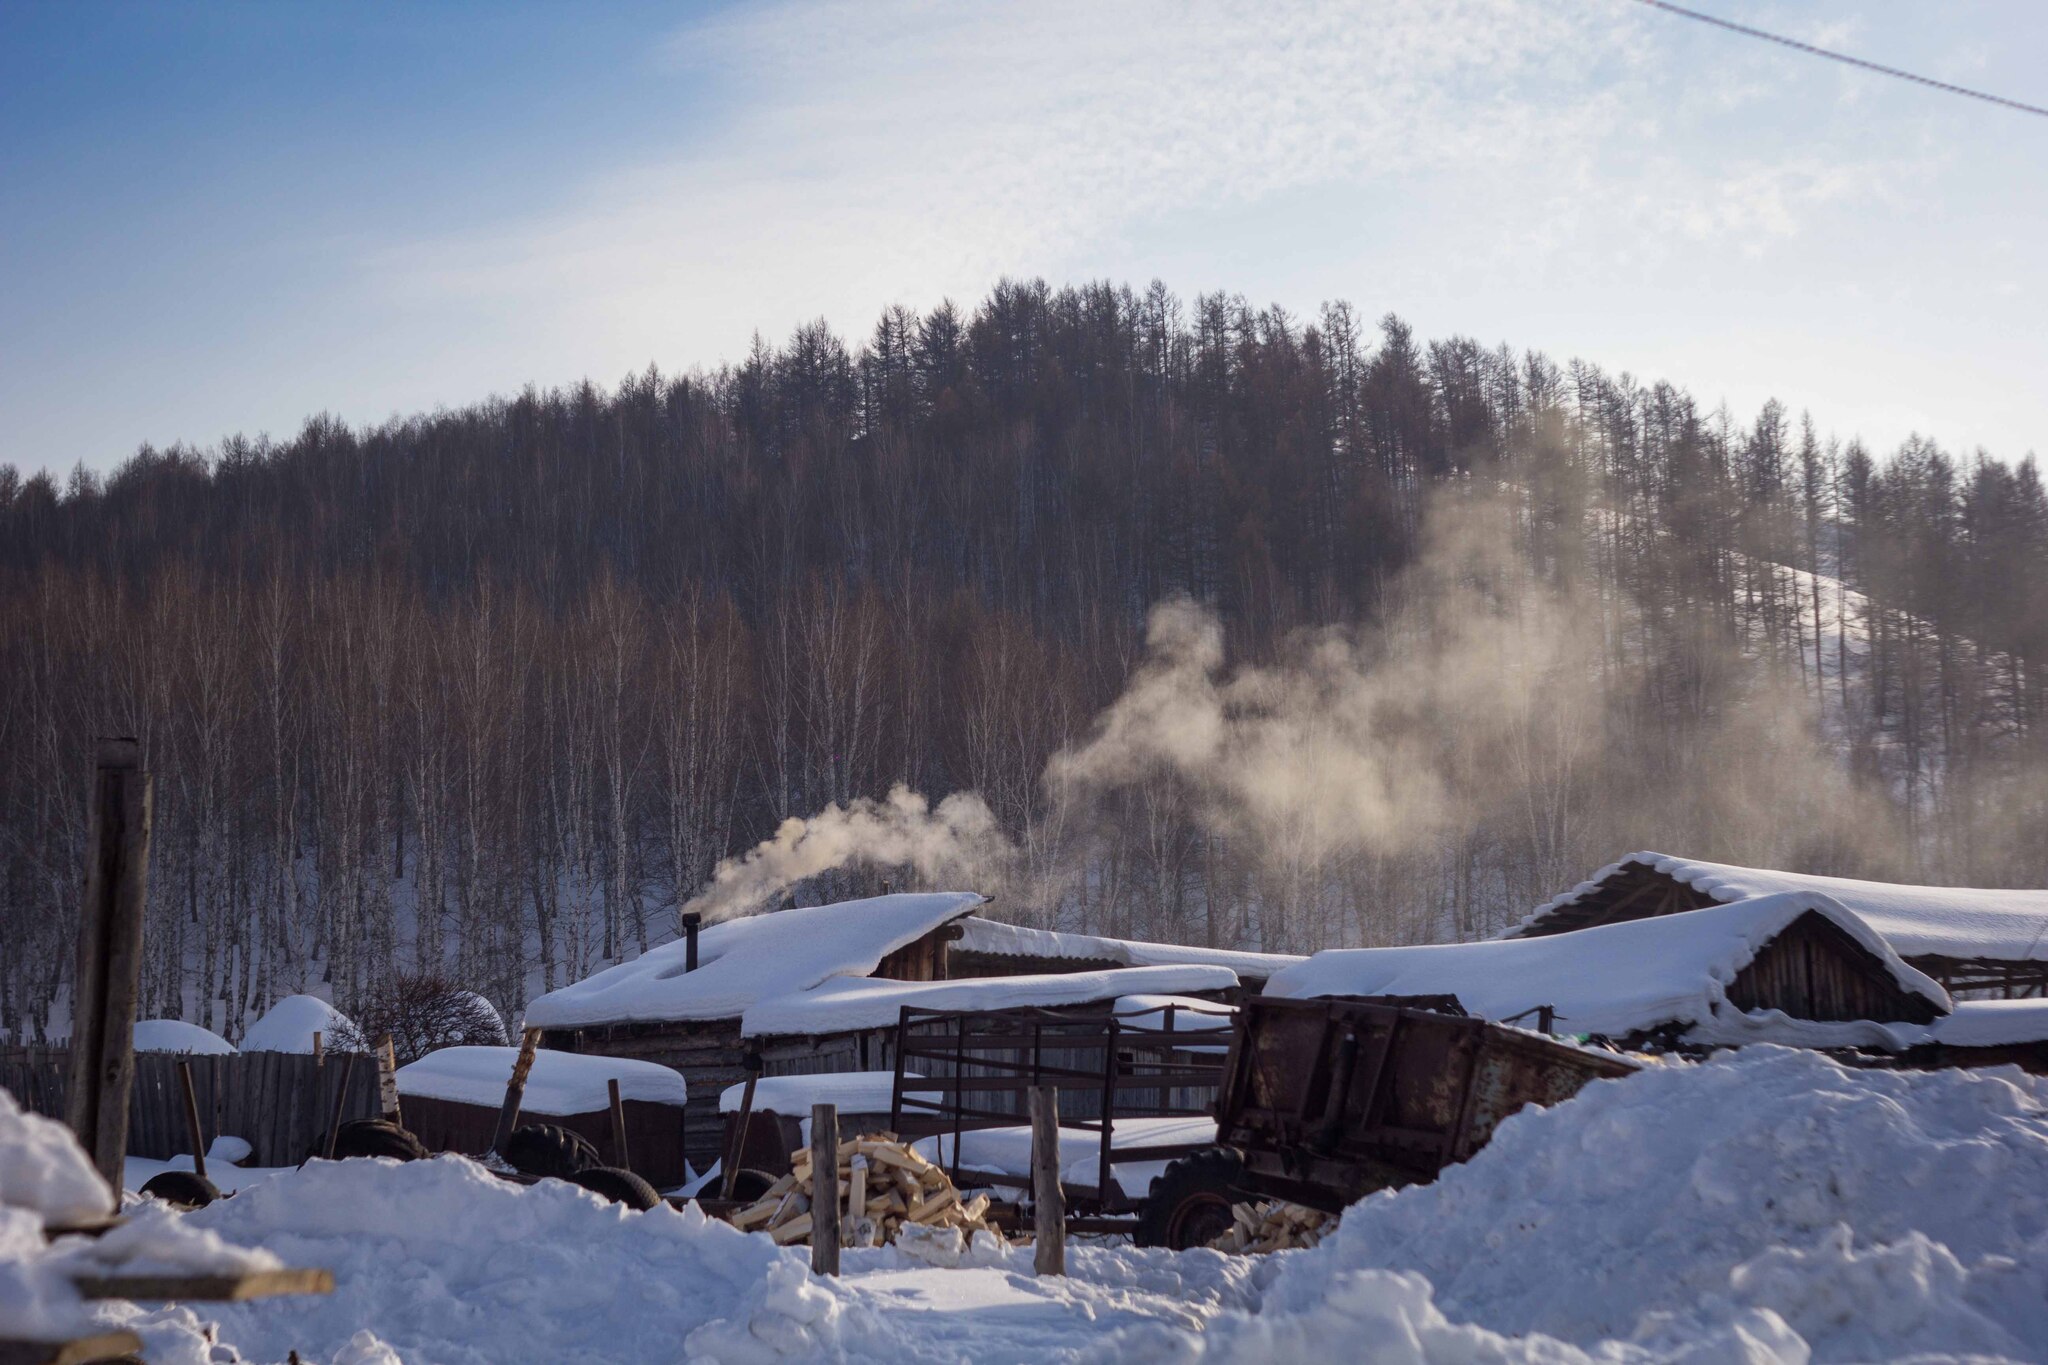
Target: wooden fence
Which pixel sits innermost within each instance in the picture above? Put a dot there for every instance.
(280, 1102)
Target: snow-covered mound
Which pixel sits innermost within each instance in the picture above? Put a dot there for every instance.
(560, 1082)
(44, 1171)
(446, 1263)
(1772, 1203)
(175, 1035)
(291, 1023)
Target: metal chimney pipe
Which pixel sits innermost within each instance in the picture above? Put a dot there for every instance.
(690, 923)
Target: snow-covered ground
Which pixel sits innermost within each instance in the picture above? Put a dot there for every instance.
(1769, 1206)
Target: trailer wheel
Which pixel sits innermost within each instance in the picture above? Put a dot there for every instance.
(619, 1186)
(1190, 1202)
(749, 1185)
(373, 1137)
(546, 1149)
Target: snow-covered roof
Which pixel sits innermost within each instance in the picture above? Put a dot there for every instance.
(1991, 1023)
(844, 1004)
(855, 1092)
(291, 1024)
(744, 960)
(1200, 1013)
(1613, 979)
(560, 1082)
(1918, 921)
(980, 935)
(175, 1035)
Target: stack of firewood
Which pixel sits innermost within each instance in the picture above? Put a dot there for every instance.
(882, 1186)
(1274, 1226)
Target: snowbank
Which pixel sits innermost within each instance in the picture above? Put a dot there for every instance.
(1756, 1207)
(43, 1170)
(980, 935)
(560, 1082)
(291, 1023)
(846, 1003)
(744, 960)
(1613, 979)
(175, 1035)
(1918, 921)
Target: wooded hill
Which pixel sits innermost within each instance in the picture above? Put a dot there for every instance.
(495, 688)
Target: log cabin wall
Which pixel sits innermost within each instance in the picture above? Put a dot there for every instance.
(1813, 970)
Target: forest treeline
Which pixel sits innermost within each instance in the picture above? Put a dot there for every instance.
(491, 691)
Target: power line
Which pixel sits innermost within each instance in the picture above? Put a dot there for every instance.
(1843, 57)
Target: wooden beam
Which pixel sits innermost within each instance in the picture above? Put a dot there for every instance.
(109, 964)
(100, 1346)
(254, 1284)
(1049, 1201)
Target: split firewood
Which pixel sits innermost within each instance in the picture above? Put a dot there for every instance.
(883, 1187)
(795, 1230)
(1273, 1226)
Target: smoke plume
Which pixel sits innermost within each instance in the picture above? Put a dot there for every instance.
(957, 844)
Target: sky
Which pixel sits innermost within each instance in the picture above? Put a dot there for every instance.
(223, 218)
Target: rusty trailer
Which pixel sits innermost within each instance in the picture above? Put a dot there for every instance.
(1326, 1100)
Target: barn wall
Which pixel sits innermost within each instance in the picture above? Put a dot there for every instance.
(1813, 970)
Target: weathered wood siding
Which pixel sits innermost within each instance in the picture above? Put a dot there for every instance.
(279, 1102)
(1813, 970)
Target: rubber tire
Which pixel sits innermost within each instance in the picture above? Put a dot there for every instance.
(548, 1149)
(1190, 1201)
(181, 1189)
(748, 1186)
(619, 1186)
(374, 1137)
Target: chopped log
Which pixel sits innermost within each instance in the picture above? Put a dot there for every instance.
(932, 1203)
(856, 1199)
(387, 1082)
(795, 1230)
(253, 1284)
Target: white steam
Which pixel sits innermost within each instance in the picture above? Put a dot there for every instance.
(957, 844)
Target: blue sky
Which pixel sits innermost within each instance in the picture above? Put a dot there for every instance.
(221, 218)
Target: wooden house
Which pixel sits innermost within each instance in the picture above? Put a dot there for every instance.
(1975, 942)
(805, 991)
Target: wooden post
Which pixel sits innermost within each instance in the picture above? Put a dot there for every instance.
(620, 1157)
(730, 1171)
(825, 1189)
(319, 1057)
(1049, 1201)
(387, 1081)
(109, 956)
(348, 1071)
(192, 1120)
(515, 1089)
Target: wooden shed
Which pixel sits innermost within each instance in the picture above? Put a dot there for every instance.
(451, 1098)
(1975, 942)
(1795, 967)
(991, 948)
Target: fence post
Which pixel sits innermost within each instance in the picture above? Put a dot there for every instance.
(1049, 1201)
(825, 1189)
(515, 1089)
(620, 1158)
(109, 956)
(387, 1081)
(192, 1120)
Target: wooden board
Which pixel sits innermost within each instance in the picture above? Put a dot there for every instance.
(256, 1284)
(100, 1346)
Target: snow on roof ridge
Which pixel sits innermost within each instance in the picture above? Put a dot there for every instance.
(846, 1004)
(1016, 940)
(1921, 921)
(1612, 978)
(750, 958)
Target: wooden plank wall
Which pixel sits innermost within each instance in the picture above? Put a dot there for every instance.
(279, 1102)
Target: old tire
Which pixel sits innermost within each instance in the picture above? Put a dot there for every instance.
(1190, 1202)
(619, 1186)
(374, 1137)
(181, 1189)
(548, 1149)
(749, 1185)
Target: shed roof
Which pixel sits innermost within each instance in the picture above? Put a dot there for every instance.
(995, 939)
(844, 1004)
(742, 961)
(560, 1082)
(1613, 979)
(1918, 921)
